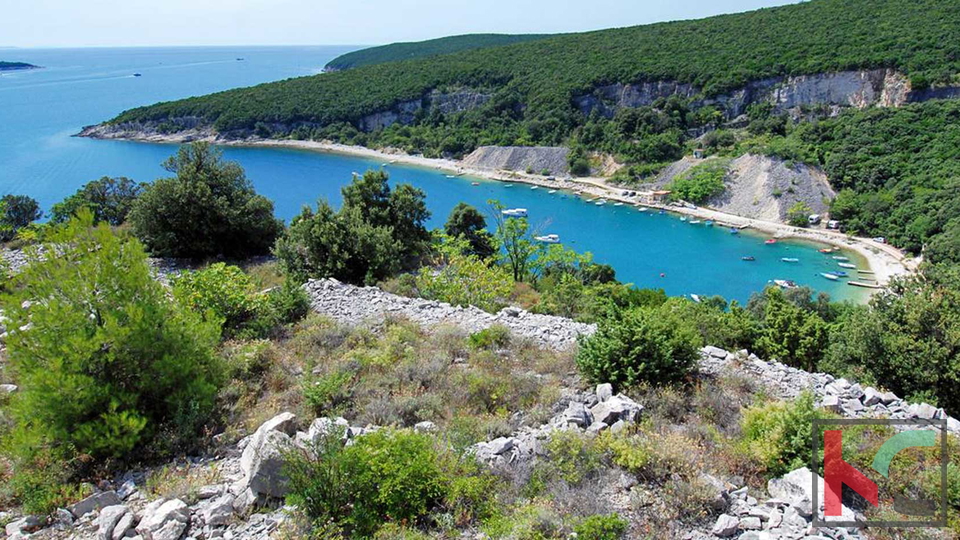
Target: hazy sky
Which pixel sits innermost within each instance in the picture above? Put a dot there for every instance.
(73, 23)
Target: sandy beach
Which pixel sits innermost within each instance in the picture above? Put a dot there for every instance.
(885, 261)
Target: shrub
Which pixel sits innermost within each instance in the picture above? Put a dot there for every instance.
(16, 212)
(385, 476)
(110, 200)
(376, 233)
(701, 182)
(639, 345)
(225, 294)
(601, 527)
(497, 336)
(467, 222)
(209, 208)
(777, 434)
(466, 280)
(107, 362)
(798, 215)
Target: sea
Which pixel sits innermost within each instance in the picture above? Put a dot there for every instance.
(41, 111)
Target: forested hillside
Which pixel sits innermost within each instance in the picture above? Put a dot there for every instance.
(10, 66)
(421, 49)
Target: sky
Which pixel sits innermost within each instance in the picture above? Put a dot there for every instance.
(114, 23)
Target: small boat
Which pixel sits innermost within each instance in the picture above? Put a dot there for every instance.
(618, 204)
(591, 200)
(661, 212)
(708, 223)
(474, 183)
(838, 258)
(515, 212)
(695, 298)
(508, 186)
(827, 250)
(137, 75)
(548, 239)
(642, 209)
(864, 285)
(847, 265)
(785, 284)
(552, 191)
(770, 241)
(790, 259)
(600, 203)
(830, 276)
(748, 258)
(534, 187)
(839, 273)
(683, 219)
(239, 59)
(734, 231)
(451, 176)
(694, 222)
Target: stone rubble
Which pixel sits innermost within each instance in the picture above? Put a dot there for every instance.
(350, 304)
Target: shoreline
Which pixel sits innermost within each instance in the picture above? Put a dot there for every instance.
(883, 260)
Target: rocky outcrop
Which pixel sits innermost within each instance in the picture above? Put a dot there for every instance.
(356, 305)
(538, 159)
(863, 88)
(405, 112)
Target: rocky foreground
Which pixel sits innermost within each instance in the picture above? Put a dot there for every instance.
(244, 500)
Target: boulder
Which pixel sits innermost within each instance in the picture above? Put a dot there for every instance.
(871, 396)
(924, 411)
(576, 414)
(23, 526)
(795, 488)
(425, 427)
(125, 526)
(618, 407)
(750, 523)
(8, 388)
(219, 511)
(264, 475)
(604, 391)
(283, 423)
(164, 520)
(726, 525)
(108, 519)
(93, 503)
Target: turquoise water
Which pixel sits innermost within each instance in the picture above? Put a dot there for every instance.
(38, 157)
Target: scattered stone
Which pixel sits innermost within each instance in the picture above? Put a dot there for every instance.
(726, 525)
(8, 388)
(108, 519)
(164, 520)
(93, 503)
(124, 527)
(750, 523)
(425, 427)
(23, 526)
(127, 489)
(219, 511)
(604, 391)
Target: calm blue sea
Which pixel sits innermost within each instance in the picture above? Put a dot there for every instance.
(41, 109)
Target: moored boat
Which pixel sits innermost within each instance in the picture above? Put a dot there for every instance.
(515, 212)
(770, 241)
(694, 222)
(734, 231)
(829, 276)
(839, 258)
(790, 259)
(785, 284)
(847, 265)
(748, 258)
(548, 239)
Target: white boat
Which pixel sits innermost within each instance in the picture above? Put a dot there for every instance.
(839, 258)
(830, 276)
(847, 265)
(642, 209)
(515, 212)
(451, 176)
(696, 298)
(618, 204)
(790, 259)
(785, 284)
(695, 222)
(534, 187)
(548, 238)
(599, 203)
(683, 219)
(552, 191)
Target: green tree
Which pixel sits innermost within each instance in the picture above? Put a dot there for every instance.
(640, 345)
(110, 200)
(209, 208)
(906, 340)
(467, 222)
(700, 183)
(18, 212)
(105, 361)
(793, 335)
(463, 279)
(798, 214)
(519, 250)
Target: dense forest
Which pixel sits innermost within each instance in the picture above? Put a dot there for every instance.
(533, 83)
(422, 49)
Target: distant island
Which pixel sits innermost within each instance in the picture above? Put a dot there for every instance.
(14, 66)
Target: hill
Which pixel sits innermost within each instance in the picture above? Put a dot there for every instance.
(421, 49)
(11, 66)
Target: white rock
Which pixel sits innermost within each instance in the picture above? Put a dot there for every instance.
(125, 526)
(164, 520)
(726, 525)
(219, 511)
(283, 423)
(108, 519)
(604, 391)
(94, 502)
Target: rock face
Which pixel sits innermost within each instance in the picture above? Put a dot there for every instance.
(405, 112)
(262, 459)
(881, 87)
(355, 305)
(520, 158)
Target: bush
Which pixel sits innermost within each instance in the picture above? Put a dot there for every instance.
(225, 294)
(376, 233)
(209, 208)
(110, 200)
(16, 212)
(497, 336)
(799, 214)
(467, 222)
(701, 182)
(601, 527)
(777, 434)
(386, 476)
(107, 363)
(466, 280)
(641, 345)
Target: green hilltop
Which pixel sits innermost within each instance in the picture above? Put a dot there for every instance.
(421, 49)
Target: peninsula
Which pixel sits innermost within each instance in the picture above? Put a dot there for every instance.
(16, 66)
